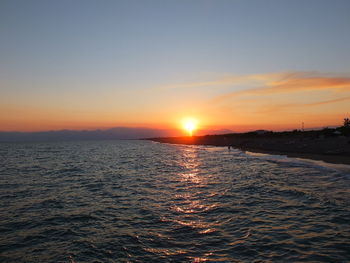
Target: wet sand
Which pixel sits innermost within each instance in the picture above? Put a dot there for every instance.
(331, 149)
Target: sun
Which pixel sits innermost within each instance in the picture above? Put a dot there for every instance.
(190, 125)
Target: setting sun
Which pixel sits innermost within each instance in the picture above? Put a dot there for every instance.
(190, 126)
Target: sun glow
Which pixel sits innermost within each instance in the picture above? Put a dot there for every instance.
(190, 125)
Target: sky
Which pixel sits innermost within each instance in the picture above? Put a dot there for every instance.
(239, 65)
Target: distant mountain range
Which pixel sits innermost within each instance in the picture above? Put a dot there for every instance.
(117, 133)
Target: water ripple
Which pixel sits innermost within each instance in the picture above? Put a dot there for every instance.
(136, 201)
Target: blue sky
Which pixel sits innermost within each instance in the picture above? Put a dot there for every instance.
(95, 50)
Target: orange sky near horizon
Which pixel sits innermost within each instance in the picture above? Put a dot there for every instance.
(275, 101)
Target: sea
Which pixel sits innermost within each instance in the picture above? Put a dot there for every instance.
(142, 201)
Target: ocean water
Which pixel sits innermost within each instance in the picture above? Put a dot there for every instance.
(139, 201)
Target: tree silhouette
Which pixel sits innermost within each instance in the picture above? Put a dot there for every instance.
(346, 122)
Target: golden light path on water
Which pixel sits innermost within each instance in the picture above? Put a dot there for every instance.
(193, 202)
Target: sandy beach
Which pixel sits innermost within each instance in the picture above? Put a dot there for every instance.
(334, 149)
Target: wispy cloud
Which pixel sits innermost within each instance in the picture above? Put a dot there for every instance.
(328, 101)
(291, 83)
(228, 80)
(224, 81)
(289, 106)
(269, 84)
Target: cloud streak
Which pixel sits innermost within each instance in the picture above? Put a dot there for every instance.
(291, 83)
(279, 107)
(328, 101)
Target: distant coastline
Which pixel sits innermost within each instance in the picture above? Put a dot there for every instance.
(329, 145)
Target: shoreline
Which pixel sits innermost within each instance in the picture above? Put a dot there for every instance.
(329, 150)
(331, 159)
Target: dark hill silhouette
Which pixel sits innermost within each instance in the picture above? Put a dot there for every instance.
(64, 135)
(117, 133)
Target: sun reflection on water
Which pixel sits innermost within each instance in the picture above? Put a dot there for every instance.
(193, 200)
